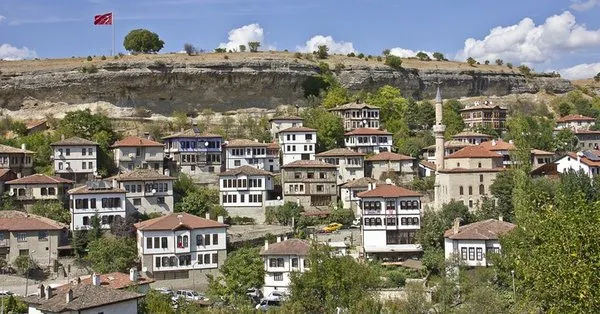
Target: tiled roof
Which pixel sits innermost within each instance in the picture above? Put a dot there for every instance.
(6, 174)
(134, 141)
(34, 123)
(298, 129)
(245, 143)
(471, 134)
(247, 170)
(308, 164)
(74, 141)
(13, 220)
(541, 152)
(84, 297)
(175, 220)
(477, 151)
(584, 160)
(141, 175)
(39, 178)
(385, 156)
(339, 152)
(480, 107)
(117, 280)
(285, 118)
(361, 183)
(353, 106)
(367, 131)
(86, 190)
(428, 164)
(12, 150)
(451, 144)
(287, 247)
(389, 190)
(482, 230)
(189, 133)
(273, 145)
(586, 132)
(475, 170)
(574, 117)
(496, 145)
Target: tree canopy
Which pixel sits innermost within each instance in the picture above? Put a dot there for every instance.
(243, 269)
(329, 126)
(142, 41)
(51, 209)
(200, 201)
(110, 254)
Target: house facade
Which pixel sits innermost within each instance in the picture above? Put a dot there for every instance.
(349, 193)
(96, 197)
(297, 143)
(193, 152)
(588, 139)
(20, 161)
(368, 141)
(486, 115)
(450, 147)
(472, 137)
(391, 164)
(310, 183)
(180, 248)
(355, 116)
(587, 162)
(281, 259)
(470, 244)
(350, 164)
(391, 218)
(575, 122)
(147, 191)
(5, 176)
(75, 158)
(243, 152)
(281, 123)
(137, 152)
(23, 234)
(39, 187)
(244, 191)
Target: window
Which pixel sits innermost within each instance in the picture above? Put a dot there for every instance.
(157, 262)
(137, 201)
(21, 236)
(309, 137)
(200, 259)
(83, 165)
(470, 190)
(92, 203)
(90, 165)
(163, 242)
(237, 163)
(156, 242)
(83, 151)
(149, 243)
(68, 152)
(199, 240)
(215, 258)
(479, 254)
(206, 258)
(479, 165)
(320, 188)
(461, 190)
(297, 175)
(278, 276)
(90, 151)
(471, 253)
(310, 175)
(480, 178)
(322, 175)
(215, 239)
(138, 152)
(295, 262)
(24, 252)
(44, 191)
(207, 239)
(60, 166)
(481, 189)
(463, 253)
(51, 191)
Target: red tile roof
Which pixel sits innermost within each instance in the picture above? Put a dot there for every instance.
(482, 230)
(117, 280)
(298, 129)
(13, 220)
(389, 190)
(176, 220)
(245, 143)
(74, 141)
(475, 170)
(134, 141)
(428, 164)
(309, 164)
(7, 174)
(385, 156)
(34, 123)
(189, 133)
(40, 178)
(541, 152)
(496, 145)
(471, 134)
(247, 170)
(584, 160)
(367, 131)
(361, 183)
(287, 247)
(339, 152)
(141, 175)
(273, 145)
(286, 118)
(86, 190)
(12, 150)
(478, 151)
(574, 117)
(353, 106)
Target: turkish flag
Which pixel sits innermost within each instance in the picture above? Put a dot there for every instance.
(103, 19)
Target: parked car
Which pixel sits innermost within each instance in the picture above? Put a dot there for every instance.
(5, 293)
(277, 295)
(189, 295)
(356, 223)
(332, 227)
(164, 290)
(267, 303)
(254, 293)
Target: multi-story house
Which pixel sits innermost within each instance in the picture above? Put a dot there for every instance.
(243, 152)
(297, 143)
(147, 191)
(284, 122)
(469, 244)
(137, 152)
(310, 183)
(350, 164)
(540, 158)
(368, 141)
(355, 116)
(575, 122)
(96, 198)
(391, 217)
(487, 115)
(388, 164)
(23, 234)
(472, 137)
(501, 147)
(281, 259)
(39, 187)
(20, 161)
(349, 193)
(181, 248)
(272, 163)
(587, 162)
(193, 152)
(588, 139)
(75, 158)
(450, 147)
(5, 176)
(244, 191)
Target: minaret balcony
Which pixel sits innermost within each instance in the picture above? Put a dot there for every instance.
(439, 128)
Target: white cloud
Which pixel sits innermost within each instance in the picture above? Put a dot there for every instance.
(407, 53)
(580, 71)
(2, 18)
(334, 46)
(584, 5)
(8, 52)
(244, 35)
(527, 43)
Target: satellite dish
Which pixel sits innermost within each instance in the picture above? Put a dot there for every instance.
(131, 155)
(153, 191)
(206, 144)
(59, 153)
(144, 269)
(388, 181)
(11, 193)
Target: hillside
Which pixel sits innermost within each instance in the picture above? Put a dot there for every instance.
(163, 83)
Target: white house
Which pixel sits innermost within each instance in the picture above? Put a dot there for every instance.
(137, 152)
(193, 152)
(297, 143)
(349, 193)
(181, 246)
(281, 259)
(39, 187)
(243, 152)
(244, 191)
(147, 190)
(284, 122)
(470, 243)
(350, 164)
(472, 137)
(20, 161)
(391, 218)
(75, 158)
(575, 122)
(96, 197)
(368, 141)
(356, 116)
(586, 161)
(388, 163)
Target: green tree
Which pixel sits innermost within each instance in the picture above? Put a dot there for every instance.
(393, 62)
(95, 232)
(386, 52)
(471, 61)
(597, 77)
(253, 45)
(85, 124)
(509, 65)
(189, 49)
(435, 223)
(19, 128)
(423, 56)
(79, 242)
(392, 107)
(322, 52)
(335, 96)
(537, 132)
(342, 215)
(24, 264)
(183, 186)
(110, 254)
(156, 302)
(329, 126)
(566, 141)
(13, 304)
(243, 269)
(525, 70)
(142, 41)
(242, 48)
(439, 56)
(501, 190)
(180, 120)
(284, 214)
(199, 202)
(499, 62)
(452, 118)
(564, 109)
(51, 209)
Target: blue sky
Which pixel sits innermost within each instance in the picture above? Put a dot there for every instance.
(547, 34)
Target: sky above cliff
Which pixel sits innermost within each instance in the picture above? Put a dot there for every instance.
(562, 35)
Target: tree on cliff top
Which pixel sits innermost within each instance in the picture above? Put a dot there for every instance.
(142, 41)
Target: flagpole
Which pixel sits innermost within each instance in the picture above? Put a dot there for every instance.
(113, 34)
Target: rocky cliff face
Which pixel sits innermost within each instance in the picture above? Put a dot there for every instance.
(227, 85)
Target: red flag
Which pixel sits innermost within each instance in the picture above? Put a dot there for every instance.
(103, 19)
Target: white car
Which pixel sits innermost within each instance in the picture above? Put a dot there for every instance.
(164, 290)
(267, 303)
(276, 295)
(356, 223)
(189, 295)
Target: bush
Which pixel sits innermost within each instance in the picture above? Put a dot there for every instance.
(323, 52)
(439, 56)
(226, 57)
(525, 70)
(142, 112)
(509, 65)
(142, 41)
(361, 55)
(309, 57)
(351, 55)
(423, 56)
(393, 62)
(487, 62)
(253, 46)
(237, 220)
(471, 61)
(597, 77)
(339, 67)
(89, 69)
(103, 58)
(89, 58)
(499, 61)
(189, 49)
(386, 52)
(298, 55)
(116, 57)
(23, 264)
(220, 50)
(379, 58)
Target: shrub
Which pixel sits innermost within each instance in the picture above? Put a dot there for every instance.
(237, 220)
(116, 57)
(103, 58)
(298, 55)
(509, 65)
(141, 112)
(323, 52)
(23, 264)
(394, 62)
(379, 58)
(220, 50)
(487, 62)
(471, 61)
(309, 57)
(597, 77)
(226, 57)
(439, 56)
(242, 48)
(89, 69)
(361, 55)
(423, 56)
(351, 55)
(189, 49)
(121, 55)
(339, 67)
(499, 62)
(386, 52)
(253, 45)
(89, 58)
(525, 70)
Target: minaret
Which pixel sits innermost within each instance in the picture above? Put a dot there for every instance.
(438, 131)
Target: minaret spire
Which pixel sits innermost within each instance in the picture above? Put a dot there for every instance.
(438, 130)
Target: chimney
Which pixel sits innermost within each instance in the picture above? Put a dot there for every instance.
(23, 146)
(501, 218)
(48, 292)
(147, 135)
(62, 137)
(95, 279)
(220, 219)
(511, 142)
(207, 215)
(41, 291)
(266, 244)
(456, 225)
(278, 239)
(373, 186)
(115, 184)
(181, 129)
(285, 238)
(256, 140)
(133, 275)
(494, 142)
(69, 296)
